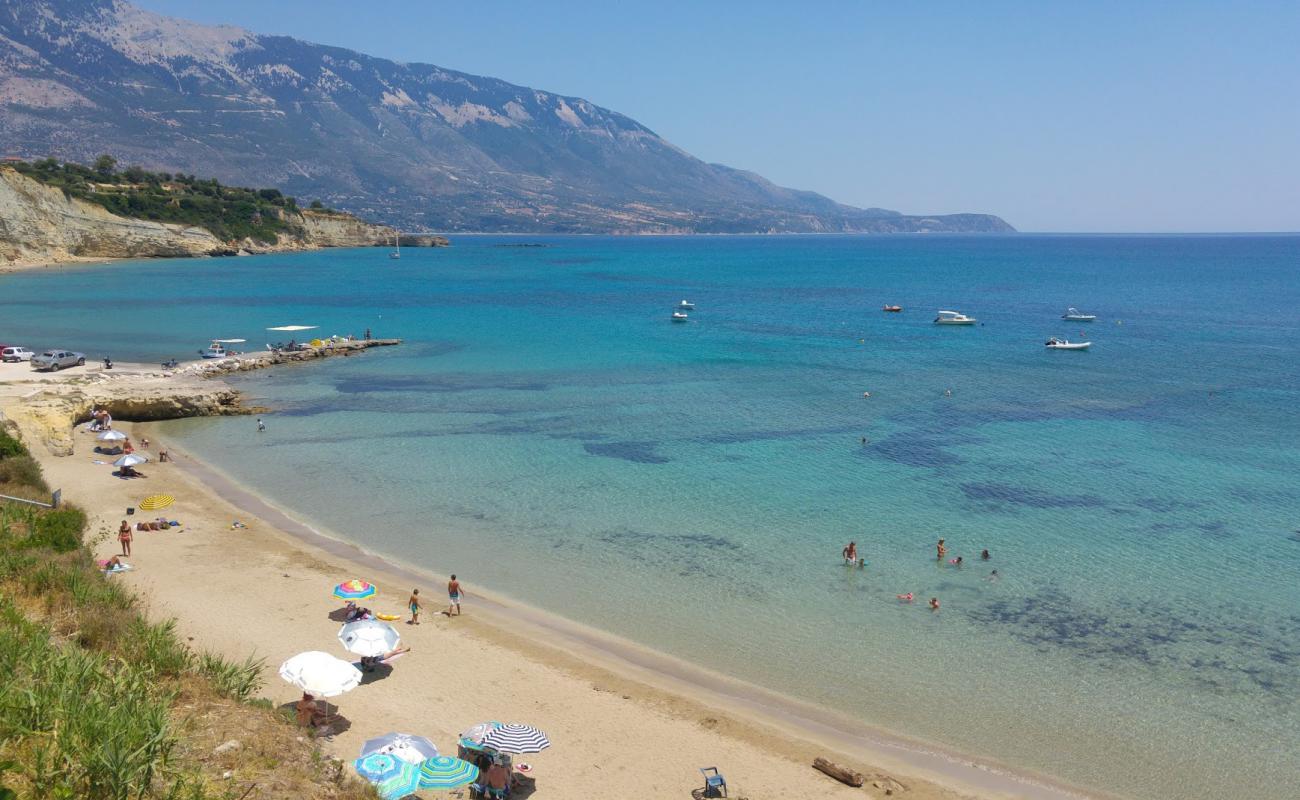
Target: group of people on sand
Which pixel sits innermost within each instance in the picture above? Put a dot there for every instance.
(852, 559)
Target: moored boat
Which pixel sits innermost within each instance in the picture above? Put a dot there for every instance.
(1075, 315)
(954, 318)
(679, 316)
(1065, 344)
(686, 305)
(894, 309)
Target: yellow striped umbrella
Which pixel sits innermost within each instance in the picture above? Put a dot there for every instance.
(157, 501)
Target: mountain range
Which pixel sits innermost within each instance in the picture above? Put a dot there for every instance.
(414, 145)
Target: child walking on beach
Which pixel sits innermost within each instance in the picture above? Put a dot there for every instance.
(454, 593)
(414, 605)
(124, 536)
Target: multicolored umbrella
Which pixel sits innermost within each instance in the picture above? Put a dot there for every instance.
(404, 782)
(405, 746)
(475, 734)
(516, 738)
(320, 674)
(156, 501)
(368, 637)
(445, 772)
(379, 767)
(355, 589)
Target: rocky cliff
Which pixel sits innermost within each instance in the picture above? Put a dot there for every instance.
(41, 224)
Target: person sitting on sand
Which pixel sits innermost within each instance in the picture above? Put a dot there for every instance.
(113, 563)
(934, 604)
(497, 780)
(850, 553)
(308, 712)
(941, 549)
(356, 612)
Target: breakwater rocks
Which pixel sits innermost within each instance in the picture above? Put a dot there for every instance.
(270, 358)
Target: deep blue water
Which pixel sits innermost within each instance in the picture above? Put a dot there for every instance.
(548, 433)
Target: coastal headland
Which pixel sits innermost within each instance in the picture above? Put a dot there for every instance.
(635, 722)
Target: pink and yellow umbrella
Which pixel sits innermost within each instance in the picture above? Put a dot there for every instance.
(355, 589)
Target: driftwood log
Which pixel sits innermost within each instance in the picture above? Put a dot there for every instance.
(841, 774)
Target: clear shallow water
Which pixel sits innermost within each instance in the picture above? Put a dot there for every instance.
(548, 433)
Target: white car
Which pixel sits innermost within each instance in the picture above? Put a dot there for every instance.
(57, 360)
(16, 354)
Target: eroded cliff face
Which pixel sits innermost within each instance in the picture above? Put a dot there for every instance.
(40, 224)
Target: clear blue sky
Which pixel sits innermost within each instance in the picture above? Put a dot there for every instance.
(1059, 116)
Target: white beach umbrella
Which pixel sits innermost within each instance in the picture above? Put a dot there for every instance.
(320, 674)
(111, 437)
(131, 460)
(368, 637)
(405, 746)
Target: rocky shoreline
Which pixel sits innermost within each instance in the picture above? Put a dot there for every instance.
(46, 408)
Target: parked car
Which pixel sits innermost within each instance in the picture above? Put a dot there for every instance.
(58, 359)
(15, 353)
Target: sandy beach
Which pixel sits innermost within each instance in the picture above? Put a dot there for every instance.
(623, 720)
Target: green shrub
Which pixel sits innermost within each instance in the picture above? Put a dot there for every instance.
(10, 446)
(59, 529)
(154, 647)
(237, 680)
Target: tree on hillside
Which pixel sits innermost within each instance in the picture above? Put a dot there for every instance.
(104, 165)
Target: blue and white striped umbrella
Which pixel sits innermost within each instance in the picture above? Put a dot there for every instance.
(445, 772)
(516, 738)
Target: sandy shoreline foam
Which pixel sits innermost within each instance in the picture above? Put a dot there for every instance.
(502, 660)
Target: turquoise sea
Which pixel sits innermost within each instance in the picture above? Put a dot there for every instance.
(547, 432)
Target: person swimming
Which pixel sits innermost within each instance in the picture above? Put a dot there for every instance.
(934, 604)
(906, 598)
(956, 562)
(994, 577)
(985, 555)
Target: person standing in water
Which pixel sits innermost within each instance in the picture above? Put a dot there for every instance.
(941, 550)
(261, 426)
(414, 604)
(934, 604)
(850, 553)
(454, 592)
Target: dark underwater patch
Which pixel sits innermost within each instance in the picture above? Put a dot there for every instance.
(913, 451)
(1000, 493)
(636, 452)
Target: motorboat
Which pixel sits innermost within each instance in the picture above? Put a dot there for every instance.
(679, 316)
(1065, 344)
(1074, 315)
(686, 305)
(218, 349)
(894, 309)
(954, 318)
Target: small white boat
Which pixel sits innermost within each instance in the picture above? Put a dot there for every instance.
(679, 316)
(1075, 315)
(1065, 344)
(397, 247)
(218, 348)
(954, 318)
(686, 305)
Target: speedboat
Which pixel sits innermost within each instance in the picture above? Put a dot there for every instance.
(954, 318)
(686, 305)
(1065, 344)
(894, 309)
(1074, 315)
(679, 316)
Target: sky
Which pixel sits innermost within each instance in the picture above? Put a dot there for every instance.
(1057, 116)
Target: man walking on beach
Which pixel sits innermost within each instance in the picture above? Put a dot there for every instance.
(414, 605)
(454, 593)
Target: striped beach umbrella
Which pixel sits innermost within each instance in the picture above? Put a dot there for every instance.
(516, 738)
(355, 589)
(379, 767)
(156, 501)
(400, 784)
(445, 772)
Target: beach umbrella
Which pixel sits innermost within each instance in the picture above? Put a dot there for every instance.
(131, 460)
(368, 637)
(516, 738)
(156, 501)
(445, 772)
(111, 437)
(320, 674)
(475, 734)
(392, 777)
(405, 746)
(355, 589)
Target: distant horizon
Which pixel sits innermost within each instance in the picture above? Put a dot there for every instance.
(1107, 118)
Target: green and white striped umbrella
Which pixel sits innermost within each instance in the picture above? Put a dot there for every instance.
(445, 772)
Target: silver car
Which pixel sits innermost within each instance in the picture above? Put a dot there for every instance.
(58, 359)
(15, 354)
